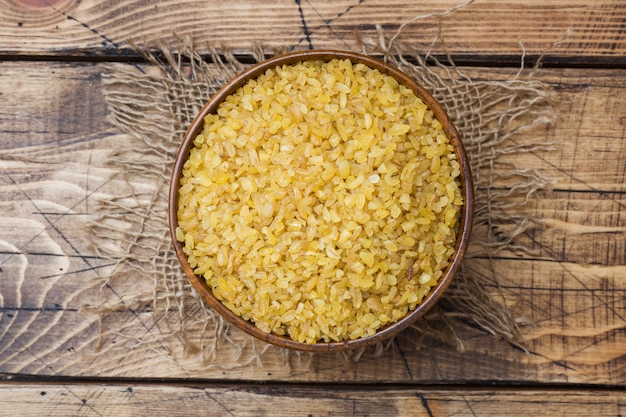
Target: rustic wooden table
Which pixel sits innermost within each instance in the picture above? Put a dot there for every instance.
(54, 125)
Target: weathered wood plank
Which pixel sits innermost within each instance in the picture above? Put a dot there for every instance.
(576, 311)
(577, 336)
(584, 228)
(587, 132)
(257, 400)
(593, 29)
(54, 143)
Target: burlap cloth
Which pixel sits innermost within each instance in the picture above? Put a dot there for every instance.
(153, 105)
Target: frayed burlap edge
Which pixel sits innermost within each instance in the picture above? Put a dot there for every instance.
(494, 118)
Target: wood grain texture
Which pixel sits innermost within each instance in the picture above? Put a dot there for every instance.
(58, 357)
(54, 143)
(258, 400)
(593, 30)
(588, 131)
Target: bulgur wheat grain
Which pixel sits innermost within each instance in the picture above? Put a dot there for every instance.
(320, 201)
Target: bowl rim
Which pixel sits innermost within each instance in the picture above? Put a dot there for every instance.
(466, 215)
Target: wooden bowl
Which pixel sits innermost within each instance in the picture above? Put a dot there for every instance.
(465, 222)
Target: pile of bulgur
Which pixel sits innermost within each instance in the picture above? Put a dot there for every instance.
(321, 201)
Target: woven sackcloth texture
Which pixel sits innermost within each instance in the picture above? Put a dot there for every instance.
(154, 104)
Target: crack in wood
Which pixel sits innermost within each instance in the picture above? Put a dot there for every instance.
(218, 402)
(406, 363)
(327, 22)
(424, 402)
(5, 309)
(78, 271)
(305, 28)
(469, 406)
(106, 39)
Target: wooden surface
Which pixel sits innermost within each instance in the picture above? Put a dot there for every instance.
(262, 400)
(55, 140)
(592, 30)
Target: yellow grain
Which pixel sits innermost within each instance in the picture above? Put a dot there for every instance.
(309, 195)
